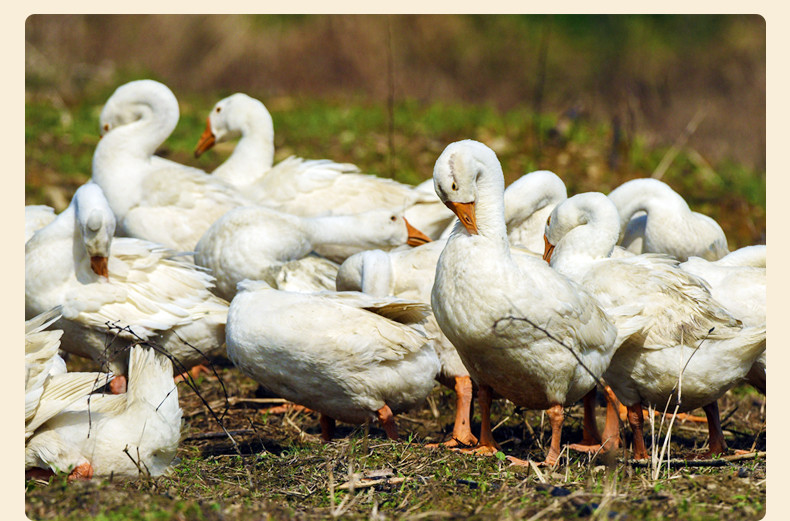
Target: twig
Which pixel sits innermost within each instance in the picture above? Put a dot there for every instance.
(218, 434)
(720, 462)
(679, 143)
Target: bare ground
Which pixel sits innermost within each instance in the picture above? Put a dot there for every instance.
(275, 467)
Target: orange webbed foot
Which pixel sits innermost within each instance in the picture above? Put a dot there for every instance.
(287, 407)
(193, 373)
(118, 385)
(82, 472)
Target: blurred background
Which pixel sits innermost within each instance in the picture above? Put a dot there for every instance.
(597, 99)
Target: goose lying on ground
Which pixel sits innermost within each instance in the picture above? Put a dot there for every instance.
(125, 435)
(308, 188)
(75, 262)
(505, 320)
(689, 350)
(350, 356)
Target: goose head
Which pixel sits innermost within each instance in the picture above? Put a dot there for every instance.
(232, 117)
(392, 228)
(141, 102)
(96, 224)
(585, 224)
(468, 179)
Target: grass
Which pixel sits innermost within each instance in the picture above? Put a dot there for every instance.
(282, 471)
(59, 143)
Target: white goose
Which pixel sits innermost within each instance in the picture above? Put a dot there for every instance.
(154, 198)
(126, 435)
(260, 243)
(669, 226)
(497, 314)
(36, 217)
(685, 330)
(74, 262)
(306, 187)
(741, 290)
(350, 356)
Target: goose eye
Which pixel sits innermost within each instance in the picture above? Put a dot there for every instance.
(393, 218)
(548, 221)
(454, 186)
(219, 109)
(106, 127)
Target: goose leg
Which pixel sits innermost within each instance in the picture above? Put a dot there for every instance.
(591, 438)
(611, 430)
(680, 417)
(716, 443)
(327, 428)
(636, 419)
(387, 421)
(556, 417)
(486, 446)
(462, 432)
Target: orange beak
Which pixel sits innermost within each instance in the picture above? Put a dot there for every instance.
(466, 214)
(99, 266)
(548, 249)
(416, 237)
(207, 139)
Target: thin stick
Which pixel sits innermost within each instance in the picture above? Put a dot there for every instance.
(679, 143)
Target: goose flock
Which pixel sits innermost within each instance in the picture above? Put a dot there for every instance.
(353, 295)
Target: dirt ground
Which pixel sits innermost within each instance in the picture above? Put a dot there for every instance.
(274, 466)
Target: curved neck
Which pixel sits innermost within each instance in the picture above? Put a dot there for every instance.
(651, 197)
(252, 157)
(123, 155)
(592, 239)
(490, 205)
(254, 153)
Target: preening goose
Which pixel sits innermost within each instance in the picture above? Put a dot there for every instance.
(505, 320)
(668, 225)
(75, 263)
(153, 198)
(350, 356)
(125, 435)
(688, 351)
(308, 188)
(260, 243)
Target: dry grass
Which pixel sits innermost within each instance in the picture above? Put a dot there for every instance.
(278, 469)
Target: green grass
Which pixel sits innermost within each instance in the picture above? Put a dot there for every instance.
(59, 143)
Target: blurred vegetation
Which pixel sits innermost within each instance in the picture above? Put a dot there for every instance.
(597, 99)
